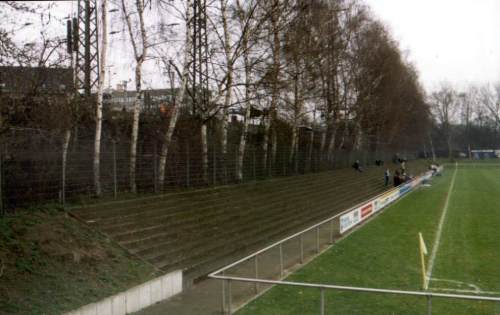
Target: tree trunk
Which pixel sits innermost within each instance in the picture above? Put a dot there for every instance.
(344, 130)
(311, 150)
(227, 99)
(432, 148)
(276, 52)
(448, 143)
(293, 143)
(274, 147)
(100, 89)
(241, 147)
(248, 107)
(140, 56)
(265, 144)
(358, 138)
(331, 144)
(322, 145)
(179, 99)
(67, 138)
(135, 127)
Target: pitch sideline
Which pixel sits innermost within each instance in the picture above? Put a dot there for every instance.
(440, 227)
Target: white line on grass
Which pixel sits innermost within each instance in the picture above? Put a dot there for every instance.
(440, 227)
(465, 291)
(474, 287)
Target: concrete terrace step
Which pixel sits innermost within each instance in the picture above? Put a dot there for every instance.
(246, 237)
(229, 209)
(152, 215)
(122, 208)
(198, 230)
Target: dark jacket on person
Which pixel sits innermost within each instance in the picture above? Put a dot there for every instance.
(396, 180)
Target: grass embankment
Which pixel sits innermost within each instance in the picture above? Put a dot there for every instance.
(50, 263)
(384, 254)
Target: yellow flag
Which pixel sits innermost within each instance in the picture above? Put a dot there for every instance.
(423, 253)
(423, 248)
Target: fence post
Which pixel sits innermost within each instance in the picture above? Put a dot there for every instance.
(297, 159)
(317, 239)
(114, 171)
(223, 300)
(229, 302)
(214, 165)
(64, 160)
(322, 302)
(301, 249)
(155, 170)
(254, 166)
(2, 211)
(256, 260)
(331, 231)
(281, 260)
(188, 175)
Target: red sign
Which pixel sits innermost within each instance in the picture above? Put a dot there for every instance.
(366, 210)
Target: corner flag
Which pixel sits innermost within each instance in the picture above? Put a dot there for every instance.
(423, 253)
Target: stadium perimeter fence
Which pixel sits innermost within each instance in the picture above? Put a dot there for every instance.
(251, 276)
(31, 167)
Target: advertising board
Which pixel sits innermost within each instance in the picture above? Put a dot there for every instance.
(366, 210)
(405, 189)
(386, 199)
(349, 220)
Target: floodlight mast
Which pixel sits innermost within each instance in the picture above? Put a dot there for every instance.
(87, 49)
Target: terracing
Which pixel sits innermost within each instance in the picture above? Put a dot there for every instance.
(199, 230)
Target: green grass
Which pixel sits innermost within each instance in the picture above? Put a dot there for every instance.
(384, 254)
(50, 264)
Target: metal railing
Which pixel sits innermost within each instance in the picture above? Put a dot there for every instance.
(324, 232)
(323, 287)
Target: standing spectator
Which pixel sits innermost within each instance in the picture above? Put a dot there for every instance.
(357, 166)
(396, 179)
(387, 175)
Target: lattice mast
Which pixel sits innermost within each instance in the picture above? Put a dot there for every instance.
(87, 47)
(199, 73)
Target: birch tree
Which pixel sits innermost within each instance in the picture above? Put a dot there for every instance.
(139, 45)
(179, 97)
(250, 28)
(100, 90)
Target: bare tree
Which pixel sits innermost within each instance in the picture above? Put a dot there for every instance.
(179, 98)
(444, 105)
(100, 89)
(139, 45)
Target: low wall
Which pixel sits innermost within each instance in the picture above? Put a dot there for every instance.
(364, 211)
(136, 298)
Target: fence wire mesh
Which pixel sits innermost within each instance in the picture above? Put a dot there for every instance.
(31, 166)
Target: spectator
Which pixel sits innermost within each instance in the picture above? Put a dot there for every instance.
(379, 162)
(405, 177)
(403, 165)
(387, 175)
(396, 179)
(357, 166)
(433, 168)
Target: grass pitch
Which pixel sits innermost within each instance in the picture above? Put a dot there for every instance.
(384, 254)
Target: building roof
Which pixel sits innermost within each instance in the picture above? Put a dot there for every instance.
(33, 80)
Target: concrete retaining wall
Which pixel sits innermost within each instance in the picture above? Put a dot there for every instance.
(136, 298)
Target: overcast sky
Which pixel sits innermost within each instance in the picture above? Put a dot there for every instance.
(449, 40)
(457, 41)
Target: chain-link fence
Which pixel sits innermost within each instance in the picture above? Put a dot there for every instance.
(31, 166)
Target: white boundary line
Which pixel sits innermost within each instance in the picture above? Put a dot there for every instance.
(440, 227)
(465, 291)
